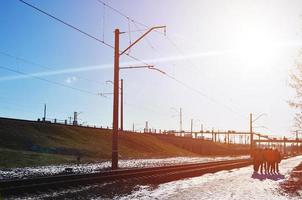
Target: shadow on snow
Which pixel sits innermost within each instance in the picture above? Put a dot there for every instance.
(271, 176)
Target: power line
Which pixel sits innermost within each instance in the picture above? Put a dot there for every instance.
(140, 23)
(152, 47)
(202, 94)
(176, 47)
(102, 41)
(114, 9)
(103, 20)
(79, 30)
(65, 23)
(74, 28)
(74, 88)
(124, 15)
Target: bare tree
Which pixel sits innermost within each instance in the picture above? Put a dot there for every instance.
(296, 84)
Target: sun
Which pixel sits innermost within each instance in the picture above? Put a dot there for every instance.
(257, 48)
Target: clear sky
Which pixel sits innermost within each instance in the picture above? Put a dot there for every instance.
(234, 57)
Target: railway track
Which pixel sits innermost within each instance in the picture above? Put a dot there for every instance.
(153, 175)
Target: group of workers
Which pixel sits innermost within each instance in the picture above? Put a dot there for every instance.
(266, 160)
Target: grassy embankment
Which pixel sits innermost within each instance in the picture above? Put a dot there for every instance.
(25, 143)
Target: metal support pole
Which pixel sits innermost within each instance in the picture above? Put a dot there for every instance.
(122, 105)
(146, 127)
(116, 90)
(180, 120)
(284, 146)
(191, 127)
(114, 164)
(44, 116)
(251, 133)
(212, 135)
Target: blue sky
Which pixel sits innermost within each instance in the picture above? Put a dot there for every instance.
(234, 55)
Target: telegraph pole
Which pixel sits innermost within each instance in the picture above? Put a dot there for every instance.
(146, 127)
(191, 127)
(122, 105)
(122, 101)
(117, 54)
(251, 133)
(251, 129)
(115, 99)
(284, 145)
(44, 116)
(180, 120)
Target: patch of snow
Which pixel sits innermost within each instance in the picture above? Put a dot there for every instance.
(234, 184)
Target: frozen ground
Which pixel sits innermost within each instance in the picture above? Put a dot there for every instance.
(96, 167)
(235, 184)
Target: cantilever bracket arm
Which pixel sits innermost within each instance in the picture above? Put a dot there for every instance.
(141, 37)
(146, 66)
(104, 94)
(156, 69)
(137, 67)
(263, 114)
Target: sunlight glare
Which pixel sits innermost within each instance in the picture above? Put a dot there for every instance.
(257, 50)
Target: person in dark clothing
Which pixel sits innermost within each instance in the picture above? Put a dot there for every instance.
(266, 158)
(261, 160)
(278, 160)
(258, 160)
(271, 160)
(255, 155)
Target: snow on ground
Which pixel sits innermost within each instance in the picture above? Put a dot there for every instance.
(235, 184)
(96, 167)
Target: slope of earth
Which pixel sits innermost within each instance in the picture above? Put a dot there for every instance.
(30, 143)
